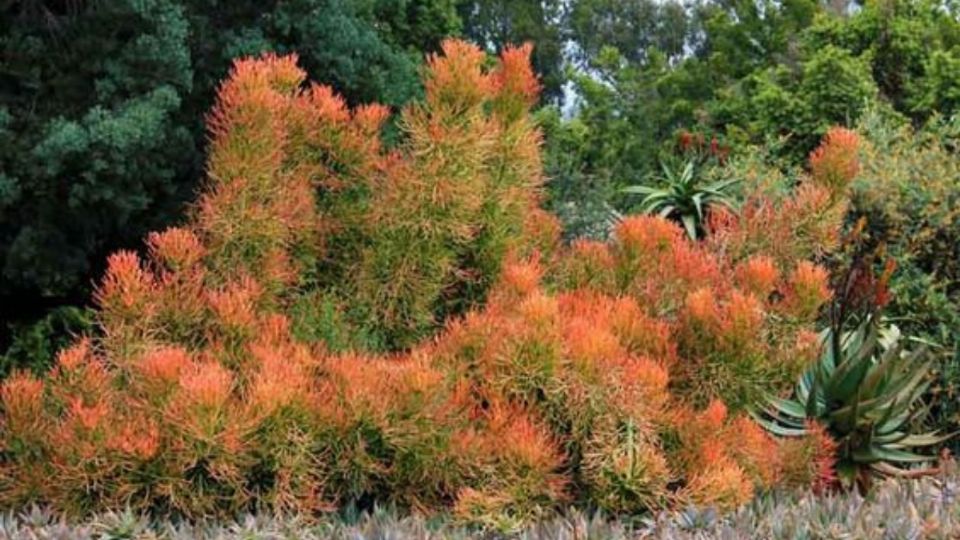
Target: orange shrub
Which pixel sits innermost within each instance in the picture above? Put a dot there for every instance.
(601, 373)
(803, 224)
(731, 320)
(834, 164)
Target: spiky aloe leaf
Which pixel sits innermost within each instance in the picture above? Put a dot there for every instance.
(884, 453)
(778, 429)
(868, 393)
(786, 406)
(682, 197)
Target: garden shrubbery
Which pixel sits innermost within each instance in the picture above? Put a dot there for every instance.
(343, 323)
(908, 194)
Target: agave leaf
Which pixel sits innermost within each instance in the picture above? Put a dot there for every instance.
(653, 200)
(897, 421)
(667, 171)
(890, 404)
(853, 339)
(886, 469)
(690, 225)
(852, 369)
(890, 438)
(639, 190)
(879, 453)
(889, 362)
(780, 418)
(787, 407)
(806, 384)
(661, 208)
(697, 204)
(778, 429)
(848, 422)
(665, 211)
(888, 413)
(846, 380)
(925, 439)
(902, 439)
(828, 358)
(906, 414)
(905, 388)
(813, 397)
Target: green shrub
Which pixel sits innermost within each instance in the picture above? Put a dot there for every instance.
(908, 191)
(34, 346)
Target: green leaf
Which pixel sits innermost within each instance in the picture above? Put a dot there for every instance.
(689, 223)
(697, 204)
(778, 429)
(639, 190)
(926, 439)
(877, 453)
(787, 407)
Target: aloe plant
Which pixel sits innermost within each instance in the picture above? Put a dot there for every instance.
(867, 391)
(681, 196)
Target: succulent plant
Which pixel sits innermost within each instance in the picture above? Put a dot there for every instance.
(895, 510)
(866, 390)
(683, 197)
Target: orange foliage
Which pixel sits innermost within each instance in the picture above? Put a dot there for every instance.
(514, 82)
(810, 461)
(235, 305)
(163, 366)
(758, 274)
(572, 382)
(807, 289)
(22, 398)
(456, 78)
(800, 227)
(175, 248)
(834, 163)
(719, 303)
(723, 485)
(126, 289)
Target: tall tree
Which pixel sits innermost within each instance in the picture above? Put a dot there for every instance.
(495, 24)
(102, 107)
(633, 27)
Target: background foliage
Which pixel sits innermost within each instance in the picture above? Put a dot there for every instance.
(102, 110)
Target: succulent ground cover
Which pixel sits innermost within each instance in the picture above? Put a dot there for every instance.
(895, 510)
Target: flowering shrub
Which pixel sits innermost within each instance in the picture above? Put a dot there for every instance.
(608, 374)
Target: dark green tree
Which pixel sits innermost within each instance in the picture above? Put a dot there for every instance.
(94, 149)
(102, 106)
(494, 24)
(633, 27)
